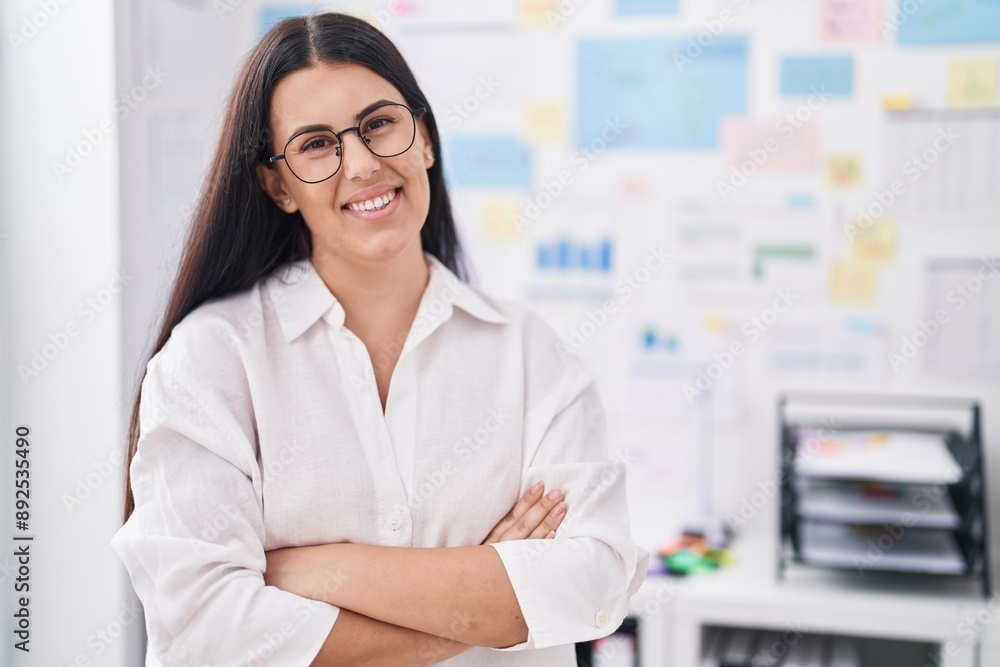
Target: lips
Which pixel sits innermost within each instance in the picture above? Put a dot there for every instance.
(372, 198)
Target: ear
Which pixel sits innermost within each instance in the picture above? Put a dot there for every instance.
(271, 182)
(428, 145)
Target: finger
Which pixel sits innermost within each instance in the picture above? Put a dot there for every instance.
(530, 497)
(526, 524)
(550, 522)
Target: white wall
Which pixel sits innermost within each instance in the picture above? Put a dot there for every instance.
(57, 88)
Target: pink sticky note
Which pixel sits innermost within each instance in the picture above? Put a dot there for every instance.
(849, 21)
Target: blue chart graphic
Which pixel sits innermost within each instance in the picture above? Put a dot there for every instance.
(665, 92)
(653, 341)
(947, 22)
(564, 254)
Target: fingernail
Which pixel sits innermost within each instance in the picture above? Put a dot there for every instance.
(536, 488)
(559, 510)
(556, 495)
(551, 534)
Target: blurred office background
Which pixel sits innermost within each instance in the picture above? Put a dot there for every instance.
(714, 202)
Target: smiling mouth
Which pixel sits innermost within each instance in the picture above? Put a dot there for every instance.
(376, 204)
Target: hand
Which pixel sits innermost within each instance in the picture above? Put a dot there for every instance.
(300, 570)
(535, 516)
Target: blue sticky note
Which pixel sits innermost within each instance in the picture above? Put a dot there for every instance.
(487, 162)
(945, 21)
(271, 15)
(656, 92)
(625, 8)
(806, 75)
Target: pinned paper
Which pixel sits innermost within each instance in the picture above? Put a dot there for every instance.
(850, 21)
(544, 122)
(972, 83)
(658, 92)
(806, 75)
(768, 145)
(843, 171)
(874, 242)
(946, 21)
(853, 281)
(537, 12)
(486, 161)
(499, 218)
(625, 8)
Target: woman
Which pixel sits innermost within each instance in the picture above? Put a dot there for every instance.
(333, 427)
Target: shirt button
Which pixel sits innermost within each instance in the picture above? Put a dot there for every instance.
(395, 522)
(601, 619)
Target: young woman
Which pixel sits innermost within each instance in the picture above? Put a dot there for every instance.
(333, 428)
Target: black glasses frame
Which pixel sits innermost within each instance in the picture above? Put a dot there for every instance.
(271, 161)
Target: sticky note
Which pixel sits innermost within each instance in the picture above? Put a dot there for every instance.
(626, 8)
(843, 171)
(538, 12)
(499, 216)
(972, 83)
(944, 21)
(849, 21)
(897, 102)
(806, 75)
(875, 241)
(768, 145)
(853, 281)
(544, 122)
(658, 92)
(487, 161)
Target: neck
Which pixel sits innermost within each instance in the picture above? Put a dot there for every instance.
(376, 295)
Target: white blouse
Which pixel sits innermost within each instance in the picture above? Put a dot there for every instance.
(261, 428)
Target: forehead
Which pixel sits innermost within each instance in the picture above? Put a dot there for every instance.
(326, 93)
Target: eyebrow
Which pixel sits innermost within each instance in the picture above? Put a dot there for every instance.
(357, 119)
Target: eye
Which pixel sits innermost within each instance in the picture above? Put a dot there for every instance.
(317, 143)
(380, 123)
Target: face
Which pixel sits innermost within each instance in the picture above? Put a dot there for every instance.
(334, 95)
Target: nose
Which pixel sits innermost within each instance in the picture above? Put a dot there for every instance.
(357, 161)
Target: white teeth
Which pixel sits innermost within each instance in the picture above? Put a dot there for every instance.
(374, 204)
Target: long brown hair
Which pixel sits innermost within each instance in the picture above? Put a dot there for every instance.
(238, 235)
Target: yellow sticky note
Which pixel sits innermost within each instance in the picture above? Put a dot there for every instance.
(544, 122)
(714, 322)
(972, 83)
(897, 102)
(537, 12)
(499, 218)
(853, 281)
(875, 242)
(843, 171)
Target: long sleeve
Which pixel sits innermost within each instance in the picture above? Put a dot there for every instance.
(575, 587)
(194, 545)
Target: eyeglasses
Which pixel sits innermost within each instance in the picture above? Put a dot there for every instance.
(316, 154)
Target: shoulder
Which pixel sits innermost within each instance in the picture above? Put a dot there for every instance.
(210, 341)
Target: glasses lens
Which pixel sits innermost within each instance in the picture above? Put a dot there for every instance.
(388, 130)
(314, 156)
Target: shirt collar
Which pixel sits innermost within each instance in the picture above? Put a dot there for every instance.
(300, 297)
